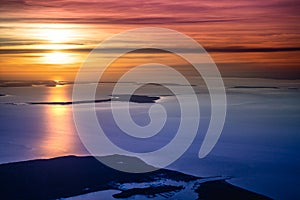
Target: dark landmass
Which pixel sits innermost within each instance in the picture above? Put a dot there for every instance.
(220, 188)
(135, 98)
(2, 95)
(69, 102)
(132, 98)
(255, 87)
(15, 84)
(293, 88)
(166, 84)
(148, 191)
(70, 176)
(47, 83)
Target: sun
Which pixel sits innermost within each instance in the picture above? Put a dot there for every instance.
(58, 58)
(57, 38)
(56, 35)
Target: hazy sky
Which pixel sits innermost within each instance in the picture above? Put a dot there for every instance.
(247, 38)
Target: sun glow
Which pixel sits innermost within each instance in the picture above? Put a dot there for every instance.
(56, 35)
(58, 58)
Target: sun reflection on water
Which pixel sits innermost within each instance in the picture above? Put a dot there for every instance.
(61, 136)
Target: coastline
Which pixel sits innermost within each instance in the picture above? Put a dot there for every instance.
(71, 176)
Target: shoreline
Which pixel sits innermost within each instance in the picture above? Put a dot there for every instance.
(70, 176)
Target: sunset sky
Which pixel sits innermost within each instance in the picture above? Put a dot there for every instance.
(247, 38)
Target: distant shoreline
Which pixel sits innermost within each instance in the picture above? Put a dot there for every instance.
(126, 98)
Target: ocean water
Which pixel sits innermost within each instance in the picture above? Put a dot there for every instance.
(259, 147)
